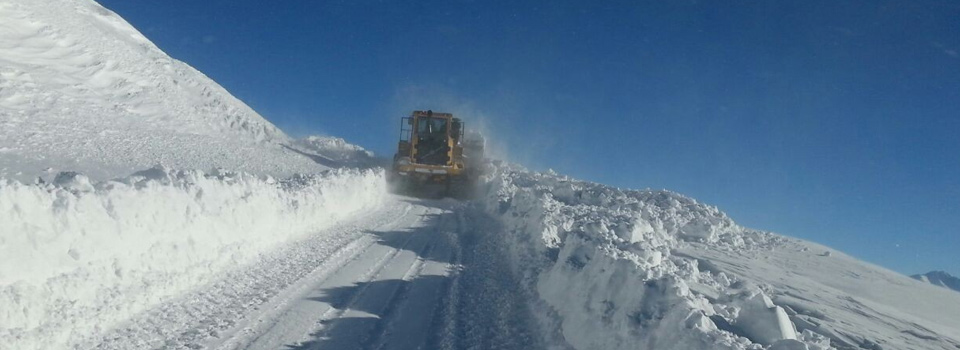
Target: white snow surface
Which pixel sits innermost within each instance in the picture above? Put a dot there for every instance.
(601, 267)
(336, 152)
(82, 90)
(625, 269)
(78, 257)
(86, 100)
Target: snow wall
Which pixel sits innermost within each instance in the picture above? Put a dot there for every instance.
(76, 255)
(600, 260)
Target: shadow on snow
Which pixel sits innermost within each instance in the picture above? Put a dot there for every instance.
(483, 299)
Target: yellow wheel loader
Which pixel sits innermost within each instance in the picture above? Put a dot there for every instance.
(434, 159)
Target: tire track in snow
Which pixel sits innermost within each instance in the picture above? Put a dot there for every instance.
(304, 312)
(487, 308)
(227, 306)
(267, 320)
(396, 307)
(360, 323)
(417, 275)
(412, 318)
(330, 320)
(446, 319)
(399, 296)
(312, 319)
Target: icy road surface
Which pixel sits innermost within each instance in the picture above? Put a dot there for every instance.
(414, 274)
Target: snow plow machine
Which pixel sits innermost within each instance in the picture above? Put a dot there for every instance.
(435, 157)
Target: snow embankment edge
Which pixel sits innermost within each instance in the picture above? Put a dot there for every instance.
(78, 257)
(601, 260)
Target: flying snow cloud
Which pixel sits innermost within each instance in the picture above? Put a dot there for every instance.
(506, 139)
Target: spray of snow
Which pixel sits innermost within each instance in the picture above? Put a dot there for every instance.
(477, 120)
(77, 257)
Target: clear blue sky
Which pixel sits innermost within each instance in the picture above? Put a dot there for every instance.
(832, 121)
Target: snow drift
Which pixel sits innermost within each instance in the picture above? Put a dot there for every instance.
(77, 257)
(624, 269)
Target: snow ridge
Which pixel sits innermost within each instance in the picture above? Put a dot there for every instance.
(77, 257)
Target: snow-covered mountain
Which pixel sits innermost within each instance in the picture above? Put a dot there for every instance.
(939, 278)
(82, 90)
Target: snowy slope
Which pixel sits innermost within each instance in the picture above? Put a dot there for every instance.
(86, 104)
(336, 152)
(940, 278)
(622, 269)
(82, 90)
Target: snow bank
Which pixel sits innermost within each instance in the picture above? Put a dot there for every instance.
(77, 255)
(602, 260)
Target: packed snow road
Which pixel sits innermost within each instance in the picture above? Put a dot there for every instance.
(413, 274)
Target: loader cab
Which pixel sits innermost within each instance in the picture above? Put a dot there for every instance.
(430, 138)
(430, 154)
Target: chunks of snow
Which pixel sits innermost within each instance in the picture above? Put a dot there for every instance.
(77, 256)
(602, 260)
(789, 344)
(762, 321)
(73, 182)
(620, 269)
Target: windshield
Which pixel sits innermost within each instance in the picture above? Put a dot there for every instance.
(432, 127)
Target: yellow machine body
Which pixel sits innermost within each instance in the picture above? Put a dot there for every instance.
(431, 151)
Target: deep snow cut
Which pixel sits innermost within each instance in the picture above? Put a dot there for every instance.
(77, 257)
